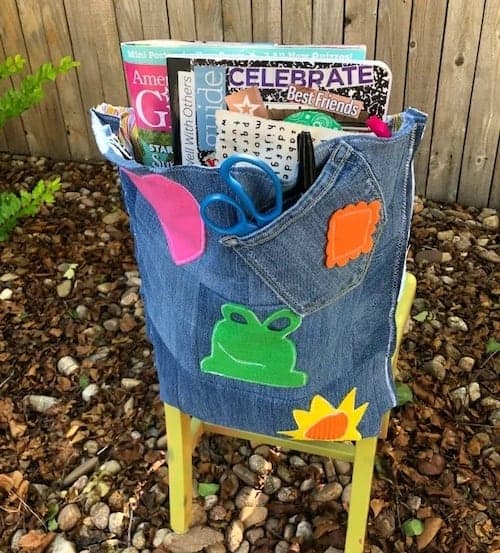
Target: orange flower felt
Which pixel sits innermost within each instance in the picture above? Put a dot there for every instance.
(324, 421)
(350, 232)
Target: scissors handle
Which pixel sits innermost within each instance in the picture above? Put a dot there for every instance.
(241, 227)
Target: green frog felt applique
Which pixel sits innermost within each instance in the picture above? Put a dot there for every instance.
(246, 349)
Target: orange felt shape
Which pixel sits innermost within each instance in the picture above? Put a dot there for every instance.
(350, 232)
(331, 427)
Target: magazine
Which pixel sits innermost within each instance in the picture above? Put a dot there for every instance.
(145, 71)
(350, 92)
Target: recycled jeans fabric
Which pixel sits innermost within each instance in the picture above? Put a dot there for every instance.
(347, 332)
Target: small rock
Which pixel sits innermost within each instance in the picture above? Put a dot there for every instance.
(245, 474)
(160, 535)
(128, 408)
(116, 523)
(297, 462)
(91, 447)
(129, 550)
(346, 497)
(460, 395)
(99, 513)
(90, 391)
(130, 383)
(234, 535)
(446, 257)
(457, 323)
(67, 365)
(332, 549)
(250, 497)
(105, 287)
(18, 534)
(436, 367)
(210, 501)
(466, 364)
(287, 494)
(110, 467)
(491, 222)
(68, 517)
(272, 484)
(330, 473)
(308, 485)
(254, 534)
(6, 294)
(490, 403)
(289, 531)
(474, 391)
(494, 418)
(445, 235)
(489, 255)
(259, 465)
(62, 545)
(253, 516)
(285, 473)
(304, 530)
(113, 218)
(414, 502)
(139, 540)
(428, 256)
(328, 492)
(111, 325)
(64, 288)
(8, 277)
(244, 547)
(342, 467)
(214, 548)
(41, 404)
(281, 547)
(477, 443)
(129, 298)
(218, 512)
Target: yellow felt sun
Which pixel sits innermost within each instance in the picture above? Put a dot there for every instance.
(325, 422)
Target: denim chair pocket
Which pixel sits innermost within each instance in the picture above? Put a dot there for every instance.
(290, 254)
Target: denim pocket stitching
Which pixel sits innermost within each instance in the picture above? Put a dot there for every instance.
(245, 245)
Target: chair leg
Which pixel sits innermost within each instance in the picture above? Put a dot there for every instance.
(362, 473)
(180, 472)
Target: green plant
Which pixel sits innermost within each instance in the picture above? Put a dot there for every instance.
(30, 92)
(12, 104)
(17, 206)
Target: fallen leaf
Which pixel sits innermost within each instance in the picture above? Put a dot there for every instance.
(36, 541)
(377, 505)
(431, 528)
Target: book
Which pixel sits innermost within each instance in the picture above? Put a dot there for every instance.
(145, 71)
(349, 91)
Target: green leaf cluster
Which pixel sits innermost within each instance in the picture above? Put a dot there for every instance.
(30, 92)
(25, 204)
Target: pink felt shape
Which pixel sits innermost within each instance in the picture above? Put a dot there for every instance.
(178, 212)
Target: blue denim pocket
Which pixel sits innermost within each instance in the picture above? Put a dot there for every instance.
(289, 254)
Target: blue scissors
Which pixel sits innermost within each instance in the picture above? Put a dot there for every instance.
(248, 217)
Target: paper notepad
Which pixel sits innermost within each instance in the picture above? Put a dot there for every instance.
(273, 141)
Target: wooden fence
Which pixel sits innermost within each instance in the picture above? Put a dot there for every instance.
(444, 57)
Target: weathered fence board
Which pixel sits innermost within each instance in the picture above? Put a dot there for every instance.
(444, 56)
(393, 28)
(452, 107)
(483, 126)
(237, 20)
(424, 56)
(328, 22)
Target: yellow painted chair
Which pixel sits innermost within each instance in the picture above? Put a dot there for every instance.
(184, 431)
